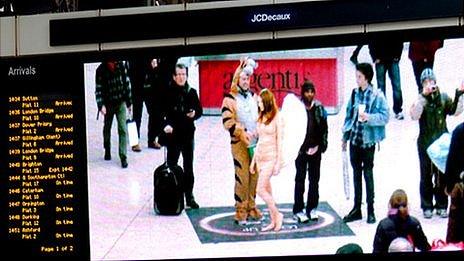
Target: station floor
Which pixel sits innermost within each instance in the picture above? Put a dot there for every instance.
(123, 225)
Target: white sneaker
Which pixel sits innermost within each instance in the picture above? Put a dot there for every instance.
(399, 116)
(313, 215)
(442, 213)
(301, 217)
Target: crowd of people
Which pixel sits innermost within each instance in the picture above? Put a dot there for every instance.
(255, 125)
(121, 89)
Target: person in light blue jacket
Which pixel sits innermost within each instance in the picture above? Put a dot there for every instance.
(367, 113)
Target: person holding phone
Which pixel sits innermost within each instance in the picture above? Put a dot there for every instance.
(182, 109)
(431, 109)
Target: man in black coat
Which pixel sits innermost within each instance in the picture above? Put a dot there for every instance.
(182, 109)
(454, 179)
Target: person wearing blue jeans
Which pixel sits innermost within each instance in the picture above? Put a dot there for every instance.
(386, 55)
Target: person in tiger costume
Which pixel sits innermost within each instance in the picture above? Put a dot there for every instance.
(239, 117)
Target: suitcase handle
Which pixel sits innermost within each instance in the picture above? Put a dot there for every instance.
(165, 152)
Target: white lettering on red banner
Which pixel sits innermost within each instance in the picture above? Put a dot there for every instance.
(281, 76)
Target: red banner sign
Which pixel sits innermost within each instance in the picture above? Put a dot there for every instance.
(279, 75)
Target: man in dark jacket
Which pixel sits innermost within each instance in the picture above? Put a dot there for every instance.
(182, 109)
(454, 180)
(309, 156)
(386, 54)
(113, 95)
(138, 68)
(156, 89)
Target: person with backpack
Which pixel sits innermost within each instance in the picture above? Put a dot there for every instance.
(367, 114)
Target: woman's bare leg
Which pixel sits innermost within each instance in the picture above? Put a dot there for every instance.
(264, 191)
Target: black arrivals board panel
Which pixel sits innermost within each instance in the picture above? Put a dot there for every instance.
(43, 186)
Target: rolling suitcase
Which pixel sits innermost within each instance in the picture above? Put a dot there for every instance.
(168, 190)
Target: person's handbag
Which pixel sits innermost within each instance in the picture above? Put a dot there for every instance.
(438, 151)
(132, 133)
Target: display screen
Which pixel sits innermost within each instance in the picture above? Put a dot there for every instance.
(65, 194)
(44, 189)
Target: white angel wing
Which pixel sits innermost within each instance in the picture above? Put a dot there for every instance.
(294, 127)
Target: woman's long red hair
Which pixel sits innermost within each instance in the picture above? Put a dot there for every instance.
(270, 108)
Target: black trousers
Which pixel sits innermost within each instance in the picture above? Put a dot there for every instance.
(311, 164)
(429, 175)
(184, 147)
(362, 161)
(139, 98)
